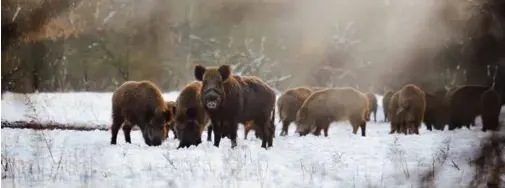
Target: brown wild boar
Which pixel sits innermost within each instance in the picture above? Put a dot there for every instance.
(170, 125)
(490, 105)
(372, 105)
(411, 107)
(288, 104)
(190, 117)
(385, 104)
(434, 115)
(139, 103)
(334, 104)
(229, 99)
(394, 118)
(464, 105)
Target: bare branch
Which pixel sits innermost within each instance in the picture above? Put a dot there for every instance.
(111, 14)
(455, 165)
(16, 13)
(278, 79)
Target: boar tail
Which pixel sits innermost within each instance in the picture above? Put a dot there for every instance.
(280, 112)
(273, 116)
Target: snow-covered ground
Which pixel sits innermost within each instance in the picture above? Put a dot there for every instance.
(88, 108)
(80, 158)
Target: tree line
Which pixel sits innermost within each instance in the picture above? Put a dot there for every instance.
(74, 45)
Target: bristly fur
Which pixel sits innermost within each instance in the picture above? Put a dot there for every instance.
(334, 104)
(244, 98)
(289, 103)
(407, 108)
(464, 105)
(139, 103)
(190, 117)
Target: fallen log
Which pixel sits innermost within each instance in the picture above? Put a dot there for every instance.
(52, 126)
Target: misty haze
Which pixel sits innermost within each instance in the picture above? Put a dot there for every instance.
(253, 93)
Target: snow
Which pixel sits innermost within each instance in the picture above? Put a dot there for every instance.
(85, 158)
(93, 109)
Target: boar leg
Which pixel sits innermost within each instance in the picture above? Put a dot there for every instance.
(263, 125)
(322, 124)
(271, 130)
(117, 121)
(127, 127)
(209, 132)
(257, 134)
(356, 123)
(393, 126)
(355, 127)
(363, 128)
(429, 126)
(326, 130)
(233, 126)
(317, 132)
(404, 126)
(285, 127)
(416, 128)
(216, 128)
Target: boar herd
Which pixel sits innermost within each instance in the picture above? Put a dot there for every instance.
(217, 101)
(455, 107)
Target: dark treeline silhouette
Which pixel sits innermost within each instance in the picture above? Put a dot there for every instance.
(483, 50)
(95, 46)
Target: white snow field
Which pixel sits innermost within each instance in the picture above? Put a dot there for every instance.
(86, 159)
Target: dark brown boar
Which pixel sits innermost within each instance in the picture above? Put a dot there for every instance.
(372, 105)
(288, 104)
(385, 104)
(333, 104)
(190, 116)
(464, 105)
(139, 103)
(490, 105)
(411, 107)
(229, 99)
(434, 115)
(170, 125)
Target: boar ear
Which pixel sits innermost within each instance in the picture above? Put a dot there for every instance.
(191, 113)
(225, 71)
(199, 71)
